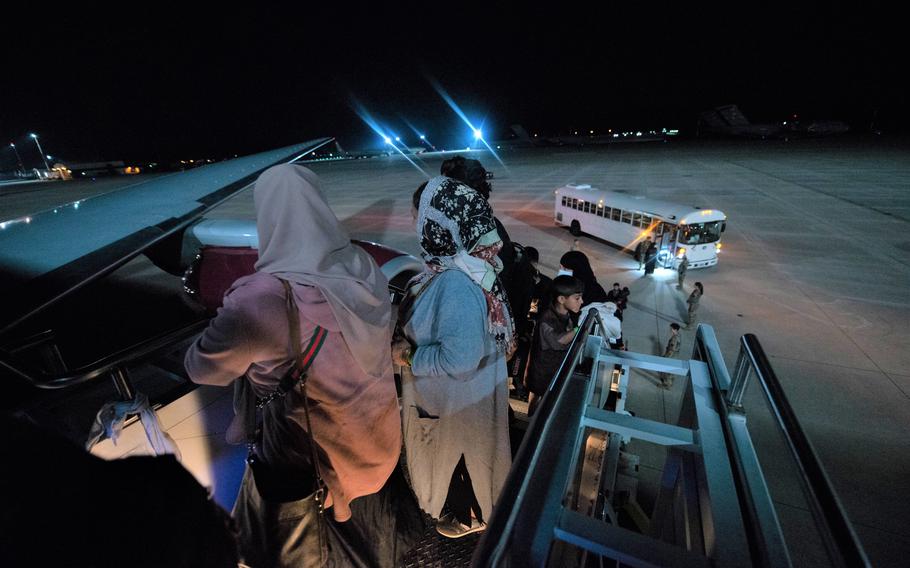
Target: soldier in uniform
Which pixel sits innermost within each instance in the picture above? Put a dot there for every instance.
(693, 301)
(681, 269)
(666, 379)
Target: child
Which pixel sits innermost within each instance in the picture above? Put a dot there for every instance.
(555, 332)
(666, 380)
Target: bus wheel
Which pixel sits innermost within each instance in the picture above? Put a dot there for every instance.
(575, 228)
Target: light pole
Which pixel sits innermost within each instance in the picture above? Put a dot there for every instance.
(47, 168)
(18, 158)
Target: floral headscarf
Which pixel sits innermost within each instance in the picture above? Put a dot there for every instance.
(457, 231)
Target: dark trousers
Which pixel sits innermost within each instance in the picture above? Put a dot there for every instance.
(461, 499)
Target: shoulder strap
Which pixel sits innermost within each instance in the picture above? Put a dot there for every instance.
(303, 358)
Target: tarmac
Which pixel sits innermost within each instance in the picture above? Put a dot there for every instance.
(814, 263)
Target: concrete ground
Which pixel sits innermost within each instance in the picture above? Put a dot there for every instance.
(815, 264)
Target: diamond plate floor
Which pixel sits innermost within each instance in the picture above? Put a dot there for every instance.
(436, 551)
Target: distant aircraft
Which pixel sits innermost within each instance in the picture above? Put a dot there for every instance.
(817, 127)
(521, 138)
(728, 120)
(386, 151)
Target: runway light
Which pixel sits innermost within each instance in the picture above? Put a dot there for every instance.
(422, 137)
(398, 139)
(478, 134)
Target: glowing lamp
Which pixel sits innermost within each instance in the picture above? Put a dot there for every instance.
(478, 134)
(681, 252)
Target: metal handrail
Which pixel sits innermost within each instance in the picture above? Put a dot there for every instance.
(107, 364)
(490, 551)
(840, 539)
(702, 351)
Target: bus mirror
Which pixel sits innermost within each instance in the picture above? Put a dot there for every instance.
(723, 226)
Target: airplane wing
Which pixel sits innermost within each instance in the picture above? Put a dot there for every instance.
(47, 256)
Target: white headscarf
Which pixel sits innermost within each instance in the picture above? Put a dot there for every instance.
(301, 240)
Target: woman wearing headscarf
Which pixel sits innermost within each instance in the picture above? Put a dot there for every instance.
(458, 332)
(351, 391)
(578, 264)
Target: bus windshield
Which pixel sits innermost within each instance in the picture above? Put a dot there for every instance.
(698, 233)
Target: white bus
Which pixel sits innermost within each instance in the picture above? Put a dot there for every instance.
(626, 219)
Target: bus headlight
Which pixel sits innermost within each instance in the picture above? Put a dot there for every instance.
(719, 245)
(680, 252)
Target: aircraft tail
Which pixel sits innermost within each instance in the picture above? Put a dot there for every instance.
(732, 115)
(520, 131)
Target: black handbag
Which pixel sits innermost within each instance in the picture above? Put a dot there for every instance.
(282, 486)
(275, 484)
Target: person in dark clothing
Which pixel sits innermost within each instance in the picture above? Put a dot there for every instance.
(624, 298)
(641, 251)
(555, 331)
(615, 295)
(63, 506)
(578, 263)
(650, 259)
(543, 284)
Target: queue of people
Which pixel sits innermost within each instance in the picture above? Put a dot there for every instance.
(307, 341)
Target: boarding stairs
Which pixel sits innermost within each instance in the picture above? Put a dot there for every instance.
(571, 496)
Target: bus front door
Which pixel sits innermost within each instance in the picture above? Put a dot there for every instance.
(667, 243)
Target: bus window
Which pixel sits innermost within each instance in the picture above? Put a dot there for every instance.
(574, 203)
(600, 210)
(614, 214)
(627, 217)
(586, 208)
(564, 199)
(701, 233)
(645, 221)
(636, 220)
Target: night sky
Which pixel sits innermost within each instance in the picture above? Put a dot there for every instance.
(168, 84)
